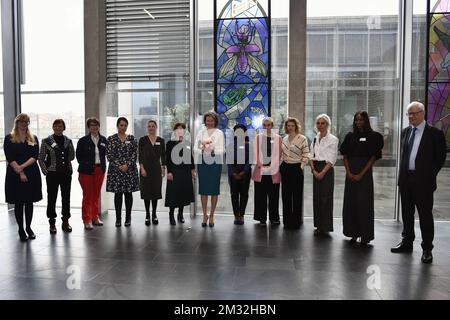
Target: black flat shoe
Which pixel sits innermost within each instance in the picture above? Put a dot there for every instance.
(127, 223)
(52, 229)
(155, 220)
(147, 222)
(427, 257)
(402, 248)
(31, 234)
(23, 236)
(353, 240)
(180, 219)
(118, 224)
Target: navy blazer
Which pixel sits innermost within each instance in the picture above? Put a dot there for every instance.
(430, 156)
(86, 154)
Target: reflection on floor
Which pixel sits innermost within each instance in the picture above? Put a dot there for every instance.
(225, 262)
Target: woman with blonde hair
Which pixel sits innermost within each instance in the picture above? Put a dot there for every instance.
(23, 185)
(295, 157)
(266, 174)
(324, 149)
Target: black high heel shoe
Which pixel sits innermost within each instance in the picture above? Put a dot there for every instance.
(31, 234)
(147, 221)
(155, 219)
(180, 218)
(172, 219)
(23, 236)
(204, 224)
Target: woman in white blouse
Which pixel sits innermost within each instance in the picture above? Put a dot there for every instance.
(209, 149)
(324, 150)
(295, 157)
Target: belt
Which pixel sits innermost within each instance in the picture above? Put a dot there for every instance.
(98, 165)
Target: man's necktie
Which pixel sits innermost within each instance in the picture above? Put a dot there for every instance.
(410, 147)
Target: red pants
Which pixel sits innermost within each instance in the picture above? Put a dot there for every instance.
(91, 185)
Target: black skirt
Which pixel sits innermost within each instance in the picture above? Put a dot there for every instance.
(358, 210)
(180, 191)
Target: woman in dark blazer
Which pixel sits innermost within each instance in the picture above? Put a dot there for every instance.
(91, 157)
(180, 173)
(152, 162)
(55, 160)
(239, 172)
(23, 185)
(361, 148)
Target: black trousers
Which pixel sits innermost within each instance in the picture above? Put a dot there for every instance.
(57, 180)
(292, 194)
(267, 190)
(239, 194)
(415, 195)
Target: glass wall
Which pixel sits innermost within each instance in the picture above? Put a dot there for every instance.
(54, 71)
(418, 92)
(204, 85)
(352, 66)
(165, 101)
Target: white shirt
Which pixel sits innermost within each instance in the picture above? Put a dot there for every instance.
(415, 147)
(296, 151)
(325, 149)
(215, 140)
(97, 152)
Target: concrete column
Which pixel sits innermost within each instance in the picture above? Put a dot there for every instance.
(11, 61)
(297, 60)
(95, 68)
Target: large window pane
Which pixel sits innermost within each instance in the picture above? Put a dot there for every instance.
(418, 92)
(54, 71)
(351, 66)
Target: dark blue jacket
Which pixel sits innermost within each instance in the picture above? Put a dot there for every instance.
(237, 168)
(86, 154)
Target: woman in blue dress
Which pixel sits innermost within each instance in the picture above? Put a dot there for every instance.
(209, 149)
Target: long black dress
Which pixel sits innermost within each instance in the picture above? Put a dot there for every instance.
(180, 191)
(152, 157)
(358, 209)
(17, 191)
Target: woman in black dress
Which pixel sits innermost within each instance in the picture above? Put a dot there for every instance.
(122, 177)
(23, 185)
(152, 161)
(180, 173)
(361, 148)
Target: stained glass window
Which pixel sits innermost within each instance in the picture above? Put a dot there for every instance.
(242, 62)
(438, 83)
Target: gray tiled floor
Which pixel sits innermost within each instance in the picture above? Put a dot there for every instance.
(226, 262)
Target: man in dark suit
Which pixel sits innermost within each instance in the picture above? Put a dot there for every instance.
(423, 153)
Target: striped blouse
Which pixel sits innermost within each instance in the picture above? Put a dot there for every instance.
(296, 151)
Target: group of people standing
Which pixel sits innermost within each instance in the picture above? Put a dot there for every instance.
(278, 162)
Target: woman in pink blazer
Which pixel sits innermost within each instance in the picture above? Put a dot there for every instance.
(266, 174)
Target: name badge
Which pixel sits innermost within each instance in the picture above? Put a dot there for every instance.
(54, 144)
(362, 139)
(271, 141)
(127, 142)
(188, 147)
(102, 144)
(157, 143)
(242, 147)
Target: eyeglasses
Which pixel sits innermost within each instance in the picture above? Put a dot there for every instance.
(25, 122)
(410, 114)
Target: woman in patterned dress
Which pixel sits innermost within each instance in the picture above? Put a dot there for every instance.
(122, 177)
